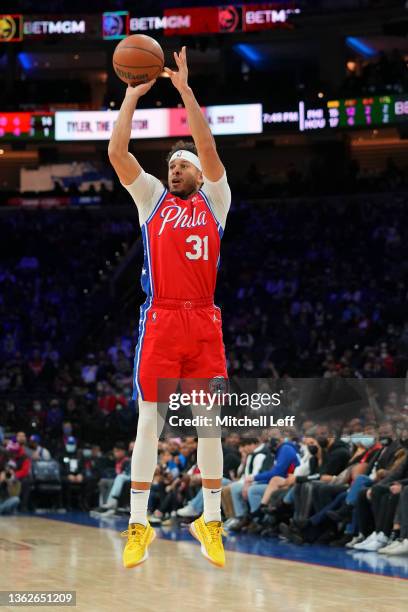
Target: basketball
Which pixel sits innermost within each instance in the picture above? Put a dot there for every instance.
(138, 59)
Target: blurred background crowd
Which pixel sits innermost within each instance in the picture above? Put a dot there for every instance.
(342, 483)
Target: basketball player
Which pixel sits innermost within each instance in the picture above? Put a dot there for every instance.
(180, 334)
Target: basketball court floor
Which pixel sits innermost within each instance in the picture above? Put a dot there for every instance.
(75, 552)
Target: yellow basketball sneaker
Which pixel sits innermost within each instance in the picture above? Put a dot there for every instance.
(139, 539)
(210, 537)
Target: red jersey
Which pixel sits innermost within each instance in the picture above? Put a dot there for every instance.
(181, 248)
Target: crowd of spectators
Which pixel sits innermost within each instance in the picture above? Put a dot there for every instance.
(49, 274)
(301, 303)
(342, 483)
(320, 291)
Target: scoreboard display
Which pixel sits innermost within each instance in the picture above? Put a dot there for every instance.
(364, 112)
(344, 114)
(27, 126)
(371, 111)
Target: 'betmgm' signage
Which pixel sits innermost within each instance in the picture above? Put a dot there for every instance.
(143, 24)
(45, 27)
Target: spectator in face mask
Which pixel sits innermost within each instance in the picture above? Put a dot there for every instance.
(37, 416)
(333, 456)
(90, 469)
(72, 478)
(36, 451)
(53, 419)
(60, 442)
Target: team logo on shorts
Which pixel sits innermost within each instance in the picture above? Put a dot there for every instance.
(218, 384)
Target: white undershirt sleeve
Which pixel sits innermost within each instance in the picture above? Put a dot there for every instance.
(257, 465)
(219, 196)
(146, 191)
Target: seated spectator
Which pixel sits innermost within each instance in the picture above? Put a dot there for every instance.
(36, 416)
(10, 488)
(380, 464)
(278, 496)
(36, 451)
(376, 507)
(71, 472)
(398, 543)
(329, 496)
(22, 470)
(111, 505)
(255, 457)
(90, 467)
(121, 461)
(54, 419)
(333, 456)
(285, 461)
(21, 439)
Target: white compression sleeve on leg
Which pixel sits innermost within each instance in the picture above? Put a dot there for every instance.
(144, 456)
(209, 457)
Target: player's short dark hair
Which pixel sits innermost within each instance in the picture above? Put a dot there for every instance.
(186, 145)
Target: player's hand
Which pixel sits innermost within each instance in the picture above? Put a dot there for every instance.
(139, 90)
(179, 78)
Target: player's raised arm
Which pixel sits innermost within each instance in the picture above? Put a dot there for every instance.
(125, 164)
(211, 164)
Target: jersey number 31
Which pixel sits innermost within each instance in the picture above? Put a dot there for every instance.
(200, 247)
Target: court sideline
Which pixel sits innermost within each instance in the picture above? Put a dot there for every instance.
(43, 554)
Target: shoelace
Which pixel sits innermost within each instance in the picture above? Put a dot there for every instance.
(136, 533)
(216, 530)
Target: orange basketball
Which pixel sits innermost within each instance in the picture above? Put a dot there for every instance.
(138, 59)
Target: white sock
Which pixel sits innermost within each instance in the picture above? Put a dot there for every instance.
(212, 504)
(138, 505)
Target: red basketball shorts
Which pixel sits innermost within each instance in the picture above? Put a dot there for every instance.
(177, 340)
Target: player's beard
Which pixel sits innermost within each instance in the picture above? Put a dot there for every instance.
(185, 190)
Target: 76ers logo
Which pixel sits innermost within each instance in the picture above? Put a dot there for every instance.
(178, 217)
(229, 18)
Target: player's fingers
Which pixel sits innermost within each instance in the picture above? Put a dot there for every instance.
(170, 73)
(182, 56)
(177, 59)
